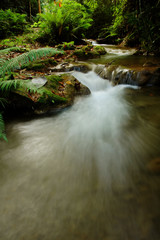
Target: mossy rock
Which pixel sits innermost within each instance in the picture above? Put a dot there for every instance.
(35, 66)
(101, 50)
(40, 65)
(58, 92)
(89, 51)
(48, 97)
(54, 81)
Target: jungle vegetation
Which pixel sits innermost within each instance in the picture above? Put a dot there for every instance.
(65, 20)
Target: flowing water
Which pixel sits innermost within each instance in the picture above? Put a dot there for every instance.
(86, 173)
(125, 57)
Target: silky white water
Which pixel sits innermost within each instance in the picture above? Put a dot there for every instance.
(81, 174)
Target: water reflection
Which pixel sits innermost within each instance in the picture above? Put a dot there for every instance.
(86, 173)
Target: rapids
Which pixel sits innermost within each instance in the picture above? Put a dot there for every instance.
(84, 173)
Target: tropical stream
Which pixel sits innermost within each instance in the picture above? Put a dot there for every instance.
(89, 172)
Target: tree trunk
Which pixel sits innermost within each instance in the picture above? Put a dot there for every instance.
(39, 6)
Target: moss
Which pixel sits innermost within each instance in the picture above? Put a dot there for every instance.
(35, 66)
(40, 64)
(101, 50)
(47, 97)
(53, 81)
(49, 61)
(89, 51)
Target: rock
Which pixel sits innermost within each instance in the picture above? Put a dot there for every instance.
(149, 64)
(155, 79)
(39, 82)
(72, 88)
(104, 71)
(143, 77)
(67, 67)
(89, 51)
(119, 75)
(44, 94)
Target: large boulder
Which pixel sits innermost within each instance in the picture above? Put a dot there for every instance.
(54, 92)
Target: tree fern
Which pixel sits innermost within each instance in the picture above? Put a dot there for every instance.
(21, 60)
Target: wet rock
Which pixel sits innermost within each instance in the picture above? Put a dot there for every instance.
(67, 67)
(89, 51)
(104, 71)
(155, 79)
(119, 75)
(72, 88)
(39, 82)
(143, 77)
(149, 64)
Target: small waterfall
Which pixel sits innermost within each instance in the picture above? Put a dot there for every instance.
(102, 129)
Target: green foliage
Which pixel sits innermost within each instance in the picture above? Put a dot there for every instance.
(102, 15)
(89, 51)
(66, 46)
(3, 102)
(66, 23)
(21, 6)
(139, 21)
(11, 23)
(8, 50)
(7, 86)
(2, 128)
(21, 60)
(2, 125)
(54, 80)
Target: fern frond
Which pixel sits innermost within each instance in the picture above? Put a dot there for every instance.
(3, 101)
(25, 58)
(6, 86)
(7, 50)
(2, 61)
(2, 128)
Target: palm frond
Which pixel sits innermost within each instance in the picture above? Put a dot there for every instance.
(25, 58)
(2, 128)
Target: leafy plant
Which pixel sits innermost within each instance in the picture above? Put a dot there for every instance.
(2, 125)
(21, 60)
(7, 86)
(11, 23)
(66, 46)
(66, 23)
(2, 128)
(8, 50)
